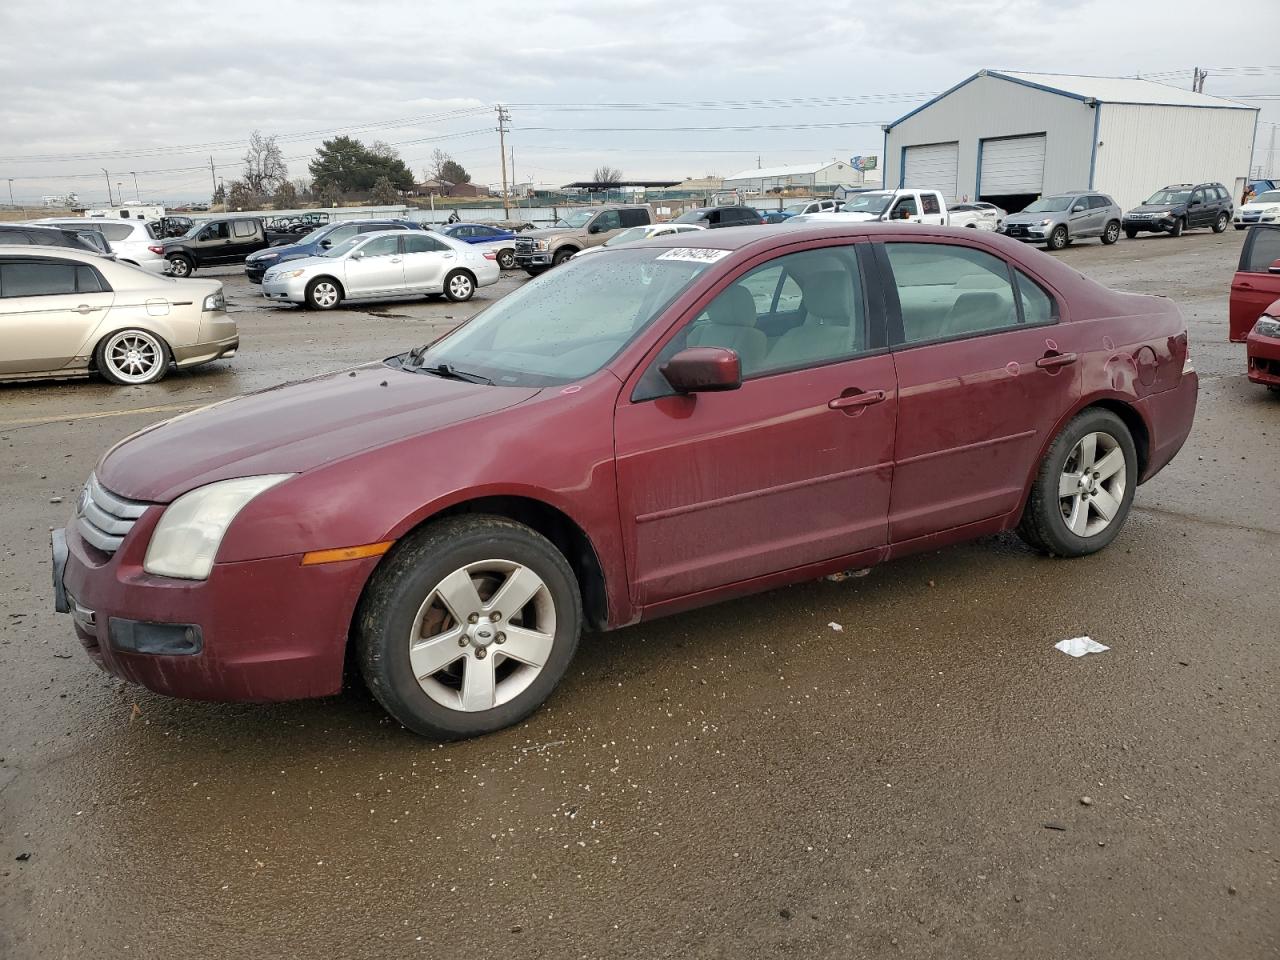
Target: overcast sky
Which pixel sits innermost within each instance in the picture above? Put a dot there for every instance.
(157, 89)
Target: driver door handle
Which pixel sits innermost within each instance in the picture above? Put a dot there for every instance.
(863, 398)
(395, 259)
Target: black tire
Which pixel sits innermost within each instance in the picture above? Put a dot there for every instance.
(535, 271)
(506, 259)
(1112, 233)
(459, 286)
(1239, 226)
(132, 357)
(1178, 226)
(181, 266)
(1220, 225)
(323, 293)
(1130, 232)
(386, 616)
(1043, 525)
(1058, 238)
(563, 254)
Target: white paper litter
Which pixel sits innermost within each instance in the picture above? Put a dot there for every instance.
(1079, 646)
(836, 627)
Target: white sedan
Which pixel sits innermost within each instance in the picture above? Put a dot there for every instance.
(1264, 208)
(388, 265)
(636, 234)
(980, 216)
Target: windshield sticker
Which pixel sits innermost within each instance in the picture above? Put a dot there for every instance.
(695, 254)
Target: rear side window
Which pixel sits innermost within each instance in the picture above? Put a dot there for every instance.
(15, 236)
(244, 228)
(421, 243)
(947, 291)
(635, 218)
(929, 203)
(88, 280)
(1098, 203)
(1038, 306)
(1222, 193)
(1261, 250)
(115, 231)
(20, 278)
(379, 227)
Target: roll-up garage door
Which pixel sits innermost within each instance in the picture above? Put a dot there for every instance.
(1013, 165)
(932, 167)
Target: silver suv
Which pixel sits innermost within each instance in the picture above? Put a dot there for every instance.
(1058, 220)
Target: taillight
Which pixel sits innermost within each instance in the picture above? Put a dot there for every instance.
(156, 249)
(491, 256)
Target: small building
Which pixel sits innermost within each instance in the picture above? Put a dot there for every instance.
(804, 175)
(1008, 137)
(446, 188)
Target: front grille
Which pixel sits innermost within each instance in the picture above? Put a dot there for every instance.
(104, 519)
(525, 246)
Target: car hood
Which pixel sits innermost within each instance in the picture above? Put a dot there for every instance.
(303, 262)
(548, 232)
(1157, 207)
(1261, 204)
(294, 428)
(1034, 217)
(284, 251)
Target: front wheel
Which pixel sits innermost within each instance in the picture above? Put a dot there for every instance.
(468, 626)
(180, 266)
(1130, 232)
(459, 286)
(1058, 239)
(1082, 493)
(1112, 233)
(506, 259)
(1177, 228)
(561, 256)
(132, 357)
(1220, 225)
(1239, 226)
(323, 294)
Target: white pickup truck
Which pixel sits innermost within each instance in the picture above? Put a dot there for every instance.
(888, 206)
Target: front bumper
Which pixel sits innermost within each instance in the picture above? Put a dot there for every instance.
(1264, 359)
(541, 258)
(293, 290)
(1026, 232)
(259, 630)
(254, 272)
(1153, 225)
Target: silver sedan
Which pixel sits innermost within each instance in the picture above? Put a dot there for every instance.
(388, 265)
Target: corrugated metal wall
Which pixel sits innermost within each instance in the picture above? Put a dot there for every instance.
(986, 108)
(1145, 147)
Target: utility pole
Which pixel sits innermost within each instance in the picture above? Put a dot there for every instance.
(503, 118)
(1271, 156)
(1198, 78)
(214, 174)
(110, 202)
(136, 192)
(516, 180)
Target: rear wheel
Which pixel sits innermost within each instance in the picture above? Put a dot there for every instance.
(468, 626)
(180, 266)
(1177, 228)
(459, 286)
(1220, 224)
(132, 357)
(535, 271)
(1082, 493)
(506, 259)
(1059, 238)
(1112, 233)
(323, 293)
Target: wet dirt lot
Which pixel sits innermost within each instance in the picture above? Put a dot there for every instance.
(742, 781)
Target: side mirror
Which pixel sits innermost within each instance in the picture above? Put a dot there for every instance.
(358, 255)
(326, 244)
(703, 369)
(1078, 208)
(205, 235)
(596, 228)
(1275, 267)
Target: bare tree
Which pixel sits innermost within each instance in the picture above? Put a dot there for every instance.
(264, 167)
(610, 176)
(380, 148)
(286, 196)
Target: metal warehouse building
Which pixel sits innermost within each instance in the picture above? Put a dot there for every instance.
(1009, 137)
(828, 173)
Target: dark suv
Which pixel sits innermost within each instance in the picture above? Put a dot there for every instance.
(73, 237)
(712, 217)
(214, 242)
(1181, 206)
(317, 242)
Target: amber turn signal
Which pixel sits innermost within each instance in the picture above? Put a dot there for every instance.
(346, 553)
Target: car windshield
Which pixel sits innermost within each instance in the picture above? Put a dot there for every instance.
(875, 203)
(1165, 197)
(342, 249)
(575, 220)
(314, 236)
(1271, 196)
(568, 324)
(693, 216)
(1049, 205)
(630, 235)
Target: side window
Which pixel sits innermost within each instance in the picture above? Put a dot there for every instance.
(714, 217)
(244, 228)
(381, 247)
(635, 218)
(215, 231)
(947, 291)
(1098, 203)
(421, 243)
(929, 203)
(1222, 193)
(1197, 196)
(28, 278)
(1262, 248)
(15, 236)
(372, 227)
(774, 289)
(88, 280)
(1038, 306)
(116, 232)
(608, 220)
(832, 328)
(341, 235)
(904, 208)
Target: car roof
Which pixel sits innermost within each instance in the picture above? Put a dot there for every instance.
(72, 253)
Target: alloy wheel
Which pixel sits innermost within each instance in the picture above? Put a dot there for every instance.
(460, 286)
(1091, 488)
(482, 635)
(133, 356)
(324, 294)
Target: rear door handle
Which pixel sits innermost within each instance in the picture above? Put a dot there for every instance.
(395, 259)
(1051, 361)
(864, 398)
(85, 308)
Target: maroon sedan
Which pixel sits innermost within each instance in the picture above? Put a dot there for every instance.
(655, 428)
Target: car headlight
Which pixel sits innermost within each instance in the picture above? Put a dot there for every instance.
(1165, 214)
(189, 533)
(1045, 223)
(287, 274)
(264, 256)
(540, 245)
(1271, 211)
(1267, 326)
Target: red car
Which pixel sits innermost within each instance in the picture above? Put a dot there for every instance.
(648, 430)
(1255, 303)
